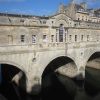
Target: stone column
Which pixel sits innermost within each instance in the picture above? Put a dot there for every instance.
(80, 62)
(58, 36)
(33, 85)
(81, 73)
(64, 36)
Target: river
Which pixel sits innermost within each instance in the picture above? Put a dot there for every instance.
(59, 87)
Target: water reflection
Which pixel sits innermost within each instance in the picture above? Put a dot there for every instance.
(59, 87)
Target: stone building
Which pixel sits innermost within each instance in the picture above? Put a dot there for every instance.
(79, 12)
(16, 29)
(25, 29)
(32, 42)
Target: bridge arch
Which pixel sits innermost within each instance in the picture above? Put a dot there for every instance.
(93, 60)
(15, 74)
(56, 63)
(13, 64)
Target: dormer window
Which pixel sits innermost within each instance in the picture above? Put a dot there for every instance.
(80, 9)
(91, 14)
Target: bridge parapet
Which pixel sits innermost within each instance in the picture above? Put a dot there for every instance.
(47, 46)
(32, 59)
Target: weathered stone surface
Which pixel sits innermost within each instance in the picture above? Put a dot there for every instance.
(18, 47)
(69, 70)
(94, 63)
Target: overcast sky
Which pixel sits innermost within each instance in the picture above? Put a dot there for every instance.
(39, 7)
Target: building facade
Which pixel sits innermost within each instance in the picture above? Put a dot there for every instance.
(32, 42)
(79, 12)
(25, 29)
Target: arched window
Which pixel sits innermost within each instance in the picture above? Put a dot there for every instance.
(61, 32)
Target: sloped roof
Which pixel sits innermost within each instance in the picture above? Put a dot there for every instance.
(97, 13)
(77, 6)
(24, 16)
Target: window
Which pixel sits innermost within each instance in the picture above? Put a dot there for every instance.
(87, 37)
(74, 24)
(82, 17)
(22, 38)
(65, 36)
(57, 30)
(44, 22)
(44, 39)
(97, 37)
(81, 37)
(21, 20)
(33, 38)
(70, 37)
(52, 38)
(61, 31)
(75, 37)
(56, 37)
(10, 39)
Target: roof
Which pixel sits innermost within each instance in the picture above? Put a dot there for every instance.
(97, 13)
(78, 6)
(22, 15)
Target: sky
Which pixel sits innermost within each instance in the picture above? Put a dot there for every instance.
(39, 7)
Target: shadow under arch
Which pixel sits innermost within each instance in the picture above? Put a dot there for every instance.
(92, 75)
(94, 55)
(12, 64)
(55, 84)
(56, 63)
(13, 81)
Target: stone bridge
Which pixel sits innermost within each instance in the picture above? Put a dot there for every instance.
(34, 60)
(37, 44)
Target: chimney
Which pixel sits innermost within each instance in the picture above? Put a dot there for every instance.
(83, 4)
(72, 1)
(60, 5)
(60, 9)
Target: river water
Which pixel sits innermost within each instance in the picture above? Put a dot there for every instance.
(59, 87)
